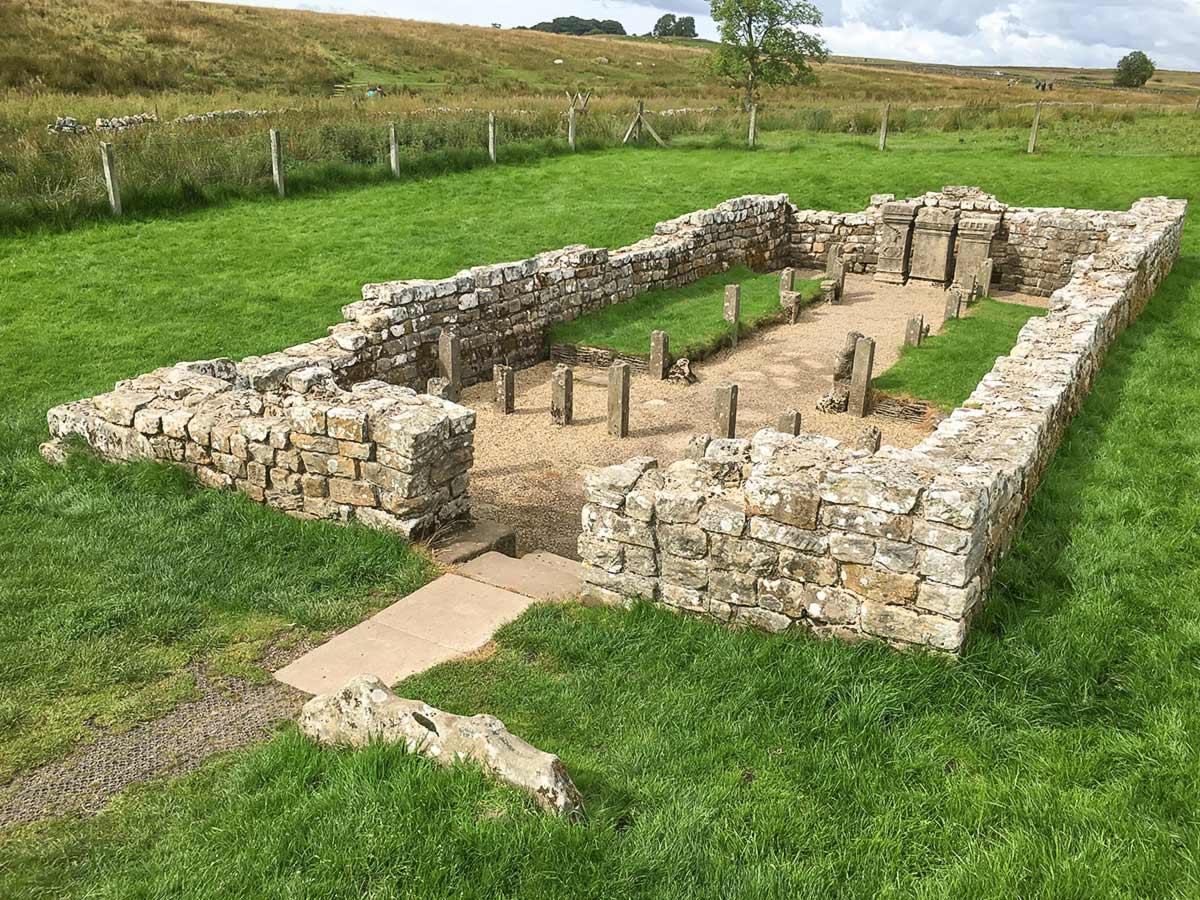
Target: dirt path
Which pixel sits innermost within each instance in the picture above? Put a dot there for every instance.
(527, 471)
(229, 713)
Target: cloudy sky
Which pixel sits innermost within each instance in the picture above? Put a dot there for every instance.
(969, 32)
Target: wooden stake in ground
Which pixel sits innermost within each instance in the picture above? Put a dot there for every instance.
(635, 127)
(492, 136)
(108, 161)
(733, 309)
(753, 137)
(393, 150)
(618, 399)
(1037, 118)
(277, 163)
(883, 126)
(571, 127)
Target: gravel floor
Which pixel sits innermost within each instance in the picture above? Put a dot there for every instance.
(528, 471)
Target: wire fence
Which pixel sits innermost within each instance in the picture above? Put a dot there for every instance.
(60, 181)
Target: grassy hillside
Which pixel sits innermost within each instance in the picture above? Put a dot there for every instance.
(130, 47)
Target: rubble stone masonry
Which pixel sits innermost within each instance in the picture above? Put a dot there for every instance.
(783, 531)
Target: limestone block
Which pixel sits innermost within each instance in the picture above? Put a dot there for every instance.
(365, 710)
(742, 555)
(877, 584)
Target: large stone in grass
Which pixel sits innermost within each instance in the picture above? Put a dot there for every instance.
(365, 710)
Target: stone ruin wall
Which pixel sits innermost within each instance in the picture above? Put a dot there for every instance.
(785, 532)
(335, 429)
(501, 313)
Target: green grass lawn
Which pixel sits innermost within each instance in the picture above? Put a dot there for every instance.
(692, 315)
(1059, 758)
(947, 366)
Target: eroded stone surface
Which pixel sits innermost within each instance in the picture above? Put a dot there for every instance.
(365, 710)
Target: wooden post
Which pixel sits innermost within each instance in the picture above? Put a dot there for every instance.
(883, 126)
(277, 163)
(637, 128)
(660, 354)
(753, 124)
(618, 399)
(562, 388)
(1037, 118)
(394, 150)
(860, 377)
(733, 308)
(108, 161)
(789, 422)
(449, 361)
(571, 127)
(492, 136)
(725, 410)
(506, 389)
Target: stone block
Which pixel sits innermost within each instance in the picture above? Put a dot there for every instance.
(932, 242)
(562, 389)
(877, 584)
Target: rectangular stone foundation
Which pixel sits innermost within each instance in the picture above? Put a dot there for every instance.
(803, 532)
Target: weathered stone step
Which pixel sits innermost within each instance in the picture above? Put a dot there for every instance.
(449, 617)
(539, 576)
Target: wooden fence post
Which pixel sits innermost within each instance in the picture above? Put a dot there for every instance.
(883, 126)
(393, 150)
(277, 163)
(1037, 118)
(753, 124)
(637, 128)
(108, 160)
(571, 126)
(492, 136)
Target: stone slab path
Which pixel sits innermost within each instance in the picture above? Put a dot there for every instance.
(452, 616)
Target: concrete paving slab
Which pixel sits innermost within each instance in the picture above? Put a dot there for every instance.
(370, 647)
(455, 611)
(528, 575)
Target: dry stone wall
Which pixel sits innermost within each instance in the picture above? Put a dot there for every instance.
(783, 531)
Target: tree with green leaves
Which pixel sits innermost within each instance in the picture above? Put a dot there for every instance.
(1134, 70)
(665, 26)
(763, 44)
(685, 26)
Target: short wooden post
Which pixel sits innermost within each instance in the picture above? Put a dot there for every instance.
(562, 388)
(1037, 118)
(912, 334)
(725, 402)
(618, 399)
(883, 126)
(277, 163)
(571, 127)
(108, 161)
(449, 361)
(789, 422)
(394, 150)
(660, 354)
(860, 377)
(637, 128)
(504, 382)
(733, 308)
(492, 136)
(753, 138)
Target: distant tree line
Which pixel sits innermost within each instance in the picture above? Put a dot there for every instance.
(670, 26)
(576, 25)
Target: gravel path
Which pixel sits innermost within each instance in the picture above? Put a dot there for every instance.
(230, 713)
(528, 471)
